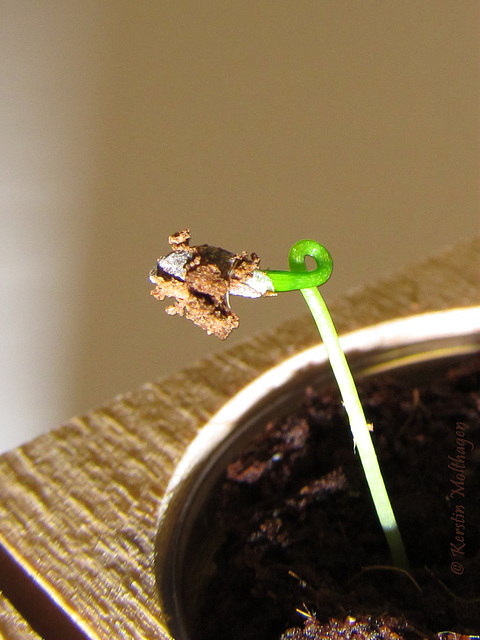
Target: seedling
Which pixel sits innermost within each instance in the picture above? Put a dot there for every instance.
(202, 278)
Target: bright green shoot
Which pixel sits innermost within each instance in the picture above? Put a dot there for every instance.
(307, 282)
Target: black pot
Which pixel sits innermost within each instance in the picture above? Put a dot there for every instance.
(187, 541)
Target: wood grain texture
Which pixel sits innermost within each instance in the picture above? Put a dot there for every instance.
(78, 506)
(12, 625)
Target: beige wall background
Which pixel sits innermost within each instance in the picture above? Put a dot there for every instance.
(253, 123)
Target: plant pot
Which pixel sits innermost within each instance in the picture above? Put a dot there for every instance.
(187, 539)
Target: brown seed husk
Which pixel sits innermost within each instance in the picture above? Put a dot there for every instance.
(203, 294)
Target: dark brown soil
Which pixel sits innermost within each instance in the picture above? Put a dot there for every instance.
(303, 554)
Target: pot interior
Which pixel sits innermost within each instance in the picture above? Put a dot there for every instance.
(188, 540)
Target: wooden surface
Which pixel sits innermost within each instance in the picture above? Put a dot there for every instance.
(12, 625)
(78, 506)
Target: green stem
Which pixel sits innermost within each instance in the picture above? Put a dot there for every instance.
(358, 424)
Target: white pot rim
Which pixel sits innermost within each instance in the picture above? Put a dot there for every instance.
(393, 333)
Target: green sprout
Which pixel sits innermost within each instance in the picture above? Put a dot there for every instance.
(202, 278)
(308, 282)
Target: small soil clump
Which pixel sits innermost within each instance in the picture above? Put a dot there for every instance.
(303, 556)
(201, 279)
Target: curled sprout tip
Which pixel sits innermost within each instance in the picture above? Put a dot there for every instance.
(299, 277)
